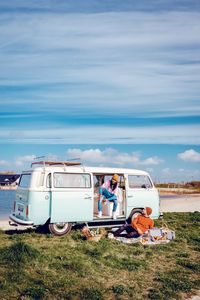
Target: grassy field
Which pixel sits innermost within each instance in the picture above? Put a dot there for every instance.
(41, 266)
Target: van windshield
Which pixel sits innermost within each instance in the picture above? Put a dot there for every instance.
(25, 180)
(139, 181)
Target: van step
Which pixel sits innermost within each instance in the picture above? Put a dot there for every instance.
(106, 223)
(103, 217)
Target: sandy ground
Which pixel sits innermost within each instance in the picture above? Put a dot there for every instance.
(5, 226)
(186, 203)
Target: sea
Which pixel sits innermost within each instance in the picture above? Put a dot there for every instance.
(6, 203)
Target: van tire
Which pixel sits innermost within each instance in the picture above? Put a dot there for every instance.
(60, 228)
(134, 213)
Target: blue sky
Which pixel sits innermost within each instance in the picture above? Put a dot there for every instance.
(112, 82)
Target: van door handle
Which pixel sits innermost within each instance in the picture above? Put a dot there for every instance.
(88, 197)
(130, 196)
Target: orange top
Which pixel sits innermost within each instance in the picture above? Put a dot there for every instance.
(143, 223)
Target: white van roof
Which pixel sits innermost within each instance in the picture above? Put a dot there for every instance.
(82, 169)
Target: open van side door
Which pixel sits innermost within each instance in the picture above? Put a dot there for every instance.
(140, 193)
(71, 197)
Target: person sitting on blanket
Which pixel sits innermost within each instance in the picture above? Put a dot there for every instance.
(138, 226)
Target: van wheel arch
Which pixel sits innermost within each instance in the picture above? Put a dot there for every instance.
(134, 213)
(60, 229)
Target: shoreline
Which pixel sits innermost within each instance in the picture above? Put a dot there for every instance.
(8, 188)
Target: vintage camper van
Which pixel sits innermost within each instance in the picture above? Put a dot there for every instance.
(63, 194)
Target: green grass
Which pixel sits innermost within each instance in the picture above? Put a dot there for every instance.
(42, 266)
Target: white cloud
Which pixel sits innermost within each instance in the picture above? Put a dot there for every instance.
(140, 57)
(110, 156)
(51, 157)
(4, 163)
(22, 160)
(187, 175)
(181, 134)
(190, 156)
(152, 161)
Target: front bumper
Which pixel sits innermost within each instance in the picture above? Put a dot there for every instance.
(19, 221)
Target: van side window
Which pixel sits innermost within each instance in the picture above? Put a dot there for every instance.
(25, 180)
(71, 180)
(49, 180)
(139, 181)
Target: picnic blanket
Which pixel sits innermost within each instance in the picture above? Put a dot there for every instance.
(154, 236)
(124, 239)
(157, 236)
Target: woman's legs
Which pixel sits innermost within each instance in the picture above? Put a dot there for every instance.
(104, 193)
(120, 230)
(131, 232)
(114, 200)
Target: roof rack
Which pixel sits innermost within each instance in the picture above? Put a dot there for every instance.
(53, 163)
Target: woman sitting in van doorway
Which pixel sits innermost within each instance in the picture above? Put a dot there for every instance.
(138, 226)
(109, 191)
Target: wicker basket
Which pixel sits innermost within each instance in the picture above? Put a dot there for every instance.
(94, 238)
(90, 235)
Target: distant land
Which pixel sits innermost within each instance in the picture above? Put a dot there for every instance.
(192, 187)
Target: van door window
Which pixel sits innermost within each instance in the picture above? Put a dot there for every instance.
(98, 180)
(25, 180)
(69, 180)
(139, 181)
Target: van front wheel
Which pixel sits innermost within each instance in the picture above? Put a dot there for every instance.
(60, 228)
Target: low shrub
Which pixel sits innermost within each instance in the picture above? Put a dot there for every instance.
(91, 293)
(155, 294)
(119, 289)
(195, 267)
(182, 254)
(34, 292)
(76, 264)
(18, 253)
(173, 282)
(128, 264)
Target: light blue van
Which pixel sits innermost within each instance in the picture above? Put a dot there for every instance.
(63, 194)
